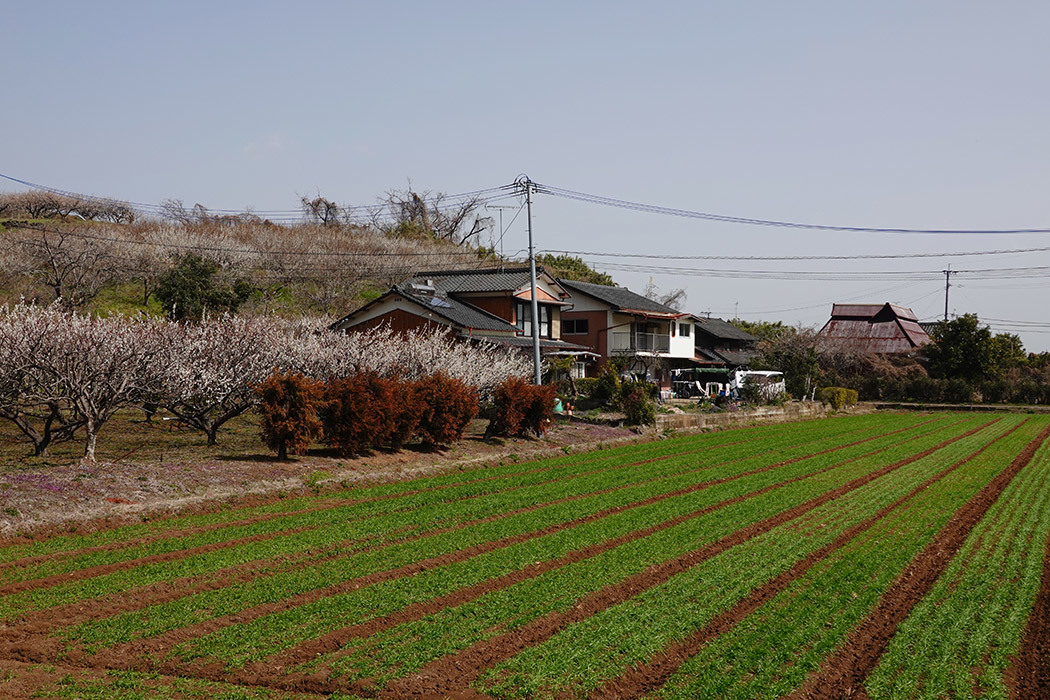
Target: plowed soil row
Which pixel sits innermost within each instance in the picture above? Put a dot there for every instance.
(455, 672)
(44, 621)
(643, 678)
(843, 673)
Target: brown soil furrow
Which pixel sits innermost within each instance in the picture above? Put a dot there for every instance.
(845, 671)
(333, 641)
(102, 569)
(125, 601)
(1028, 675)
(457, 671)
(155, 648)
(44, 582)
(654, 672)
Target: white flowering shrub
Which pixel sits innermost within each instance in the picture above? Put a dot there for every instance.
(62, 372)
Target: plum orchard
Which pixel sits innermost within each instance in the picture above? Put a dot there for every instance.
(63, 372)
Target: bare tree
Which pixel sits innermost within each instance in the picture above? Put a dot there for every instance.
(424, 213)
(320, 210)
(674, 298)
(74, 265)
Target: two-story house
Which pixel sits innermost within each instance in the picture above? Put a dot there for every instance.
(616, 322)
(493, 304)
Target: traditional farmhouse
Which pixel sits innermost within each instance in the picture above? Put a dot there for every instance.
(879, 328)
(616, 322)
(491, 304)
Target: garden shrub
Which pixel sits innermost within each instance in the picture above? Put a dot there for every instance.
(520, 408)
(359, 413)
(607, 386)
(637, 403)
(586, 385)
(444, 407)
(837, 397)
(289, 405)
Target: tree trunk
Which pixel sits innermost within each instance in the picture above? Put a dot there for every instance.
(282, 451)
(89, 444)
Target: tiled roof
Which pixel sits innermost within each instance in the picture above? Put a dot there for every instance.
(546, 344)
(457, 312)
(620, 298)
(721, 329)
(488, 280)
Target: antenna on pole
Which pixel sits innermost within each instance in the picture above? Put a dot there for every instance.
(524, 182)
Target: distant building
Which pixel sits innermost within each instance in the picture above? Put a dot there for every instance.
(879, 328)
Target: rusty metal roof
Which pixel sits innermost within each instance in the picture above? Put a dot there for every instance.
(875, 328)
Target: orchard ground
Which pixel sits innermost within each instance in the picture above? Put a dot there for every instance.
(146, 469)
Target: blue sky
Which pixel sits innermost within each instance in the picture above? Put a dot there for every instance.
(889, 114)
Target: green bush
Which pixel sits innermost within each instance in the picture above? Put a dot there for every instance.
(586, 386)
(607, 386)
(637, 403)
(837, 397)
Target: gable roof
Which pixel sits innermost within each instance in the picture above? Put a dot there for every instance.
(452, 310)
(620, 298)
(875, 327)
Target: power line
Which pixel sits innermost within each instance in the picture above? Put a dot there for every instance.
(691, 214)
(881, 256)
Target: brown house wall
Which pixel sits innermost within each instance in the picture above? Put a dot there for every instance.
(401, 322)
(498, 306)
(597, 338)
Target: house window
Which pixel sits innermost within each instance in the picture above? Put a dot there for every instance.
(523, 316)
(579, 370)
(683, 330)
(575, 326)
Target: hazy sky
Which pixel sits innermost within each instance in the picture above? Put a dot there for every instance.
(896, 114)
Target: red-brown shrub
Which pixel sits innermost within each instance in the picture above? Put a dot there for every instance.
(359, 413)
(445, 405)
(289, 404)
(522, 408)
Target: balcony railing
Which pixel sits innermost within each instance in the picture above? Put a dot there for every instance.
(626, 342)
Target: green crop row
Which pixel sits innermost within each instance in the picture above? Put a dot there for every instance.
(406, 648)
(587, 654)
(343, 525)
(333, 515)
(773, 650)
(132, 533)
(160, 618)
(273, 633)
(959, 640)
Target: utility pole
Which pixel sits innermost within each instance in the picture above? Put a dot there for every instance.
(947, 284)
(537, 377)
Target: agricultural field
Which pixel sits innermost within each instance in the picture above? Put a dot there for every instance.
(873, 556)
